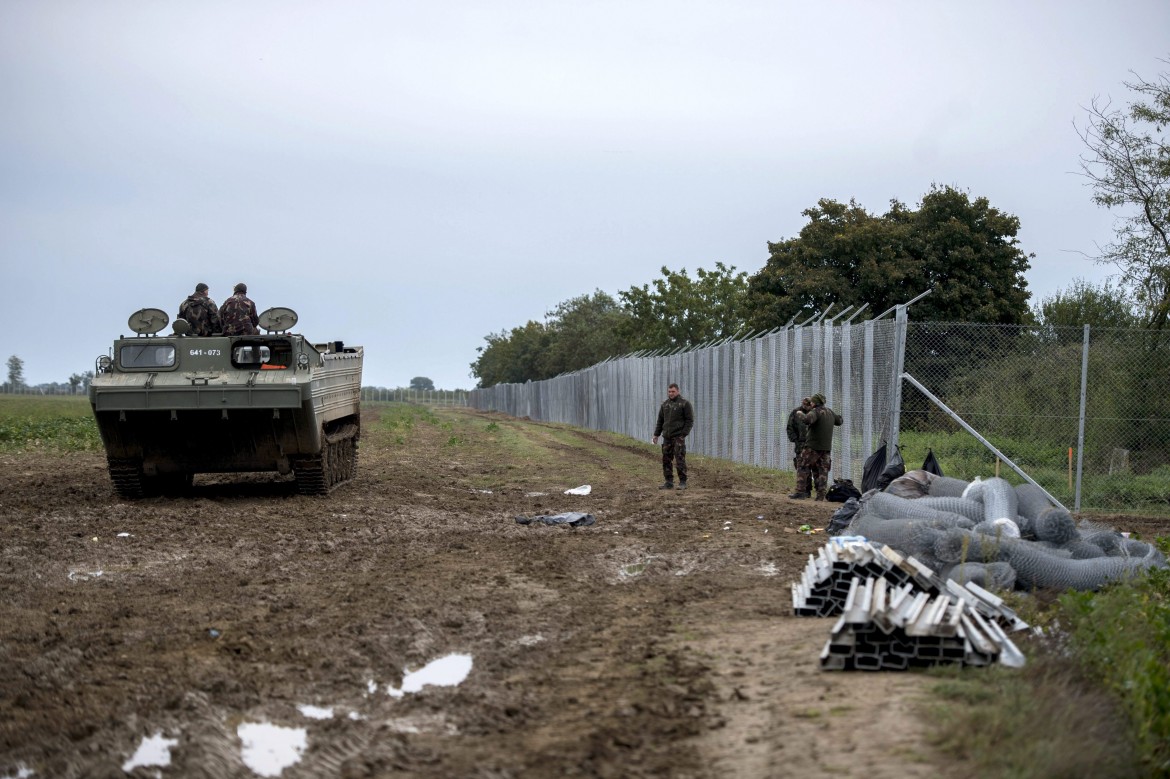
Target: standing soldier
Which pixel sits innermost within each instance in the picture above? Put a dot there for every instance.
(239, 313)
(816, 456)
(675, 420)
(200, 312)
(798, 431)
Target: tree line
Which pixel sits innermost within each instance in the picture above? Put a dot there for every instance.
(76, 383)
(849, 259)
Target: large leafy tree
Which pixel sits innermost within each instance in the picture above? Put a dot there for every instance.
(511, 356)
(1084, 303)
(422, 383)
(678, 310)
(967, 253)
(964, 250)
(583, 331)
(577, 333)
(844, 256)
(1127, 164)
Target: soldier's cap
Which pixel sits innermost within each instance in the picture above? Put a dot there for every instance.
(241, 287)
(201, 287)
(818, 399)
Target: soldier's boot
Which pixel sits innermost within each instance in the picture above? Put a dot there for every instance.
(667, 485)
(682, 485)
(799, 495)
(821, 495)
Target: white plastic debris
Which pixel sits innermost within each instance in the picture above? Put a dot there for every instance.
(584, 489)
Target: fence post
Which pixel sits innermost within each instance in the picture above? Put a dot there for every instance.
(1081, 423)
(899, 366)
(867, 390)
(846, 405)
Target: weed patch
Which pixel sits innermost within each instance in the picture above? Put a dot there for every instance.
(1044, 721)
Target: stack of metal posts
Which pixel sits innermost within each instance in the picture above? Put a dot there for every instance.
(896, 613)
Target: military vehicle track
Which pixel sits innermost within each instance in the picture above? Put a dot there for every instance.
(336, 464)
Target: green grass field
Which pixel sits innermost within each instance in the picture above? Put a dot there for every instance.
(61, 423)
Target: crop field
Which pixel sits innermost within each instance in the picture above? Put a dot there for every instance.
(408, 625)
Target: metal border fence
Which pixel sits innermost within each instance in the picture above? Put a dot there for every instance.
(742, 392)
(1010, 388)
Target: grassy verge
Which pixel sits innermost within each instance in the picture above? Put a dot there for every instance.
(962, 456)
(50, 423)
(511, 445)
(1094, 699)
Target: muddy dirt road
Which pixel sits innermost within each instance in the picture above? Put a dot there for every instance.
(245, 630)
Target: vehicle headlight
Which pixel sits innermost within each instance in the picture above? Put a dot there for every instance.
(104, 363)
(303, 361)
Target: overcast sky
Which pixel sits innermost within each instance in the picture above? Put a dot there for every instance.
(413, 176)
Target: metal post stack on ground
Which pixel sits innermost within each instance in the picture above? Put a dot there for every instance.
(896, 613)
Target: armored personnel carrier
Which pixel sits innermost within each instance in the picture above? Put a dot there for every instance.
(169, 406)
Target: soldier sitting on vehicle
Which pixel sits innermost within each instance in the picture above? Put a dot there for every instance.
(200, 312)
(239, 313)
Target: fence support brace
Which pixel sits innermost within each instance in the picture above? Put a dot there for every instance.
(930, 396)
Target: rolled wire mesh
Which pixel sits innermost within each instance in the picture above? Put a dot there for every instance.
(1054, 552)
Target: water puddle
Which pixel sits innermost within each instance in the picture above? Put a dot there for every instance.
(637, 568)
(422, 723)
(153, 751)
(269, 749)
(632, 570)
(445, 672)
(315, 712)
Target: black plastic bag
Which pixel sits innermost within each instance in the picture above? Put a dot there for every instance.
(930, 464)
(842, 490)
(843, 516)
(570, 518)
(874, 465)
(895, 467)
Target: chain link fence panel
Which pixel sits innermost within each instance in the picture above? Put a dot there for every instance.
(406, 395)
(1083, 411)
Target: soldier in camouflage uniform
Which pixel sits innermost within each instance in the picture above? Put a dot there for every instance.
(798, 431)
(200, 312)
(675, 420)
(239, 313)
(816, 457)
